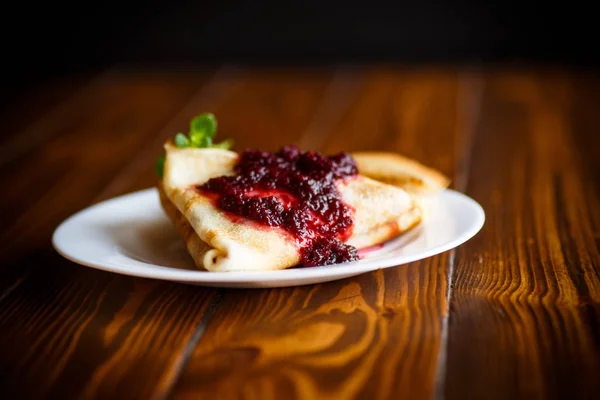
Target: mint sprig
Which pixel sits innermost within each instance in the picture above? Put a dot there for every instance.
(203, 129)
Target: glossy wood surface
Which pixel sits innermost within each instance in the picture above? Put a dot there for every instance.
(512, 313)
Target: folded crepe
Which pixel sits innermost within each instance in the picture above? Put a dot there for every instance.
(397, 170)
(219, 243)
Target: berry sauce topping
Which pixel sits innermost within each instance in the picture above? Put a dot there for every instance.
(295, 191)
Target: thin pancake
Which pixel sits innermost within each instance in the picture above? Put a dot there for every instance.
(218, 242)
(397, 170)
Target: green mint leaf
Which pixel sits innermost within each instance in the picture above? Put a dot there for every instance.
(160, 165)
(225, 144)
(196, 138)
(205, 142)
(203, 125)
(181, 140)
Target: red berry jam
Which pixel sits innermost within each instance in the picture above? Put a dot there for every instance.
(295, 191)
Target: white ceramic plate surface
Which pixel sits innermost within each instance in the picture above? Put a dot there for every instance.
(131, 235)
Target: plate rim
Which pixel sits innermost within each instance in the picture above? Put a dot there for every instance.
(346, 269)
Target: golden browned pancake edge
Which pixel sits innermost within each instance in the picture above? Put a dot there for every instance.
(398, 170)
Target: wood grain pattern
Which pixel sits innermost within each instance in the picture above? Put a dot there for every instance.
(513, 313)
(39, 103)
(373, 336)
(62, 322)
(65, 333)
(90, 137)
(524, 306)
(98, 132)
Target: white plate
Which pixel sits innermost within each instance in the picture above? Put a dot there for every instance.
(131, 235)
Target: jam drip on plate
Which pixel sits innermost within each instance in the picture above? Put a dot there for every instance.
(295, 191)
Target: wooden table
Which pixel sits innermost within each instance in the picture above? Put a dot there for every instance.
(512, 313)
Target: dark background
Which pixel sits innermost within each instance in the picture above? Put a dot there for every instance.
(47, 40)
